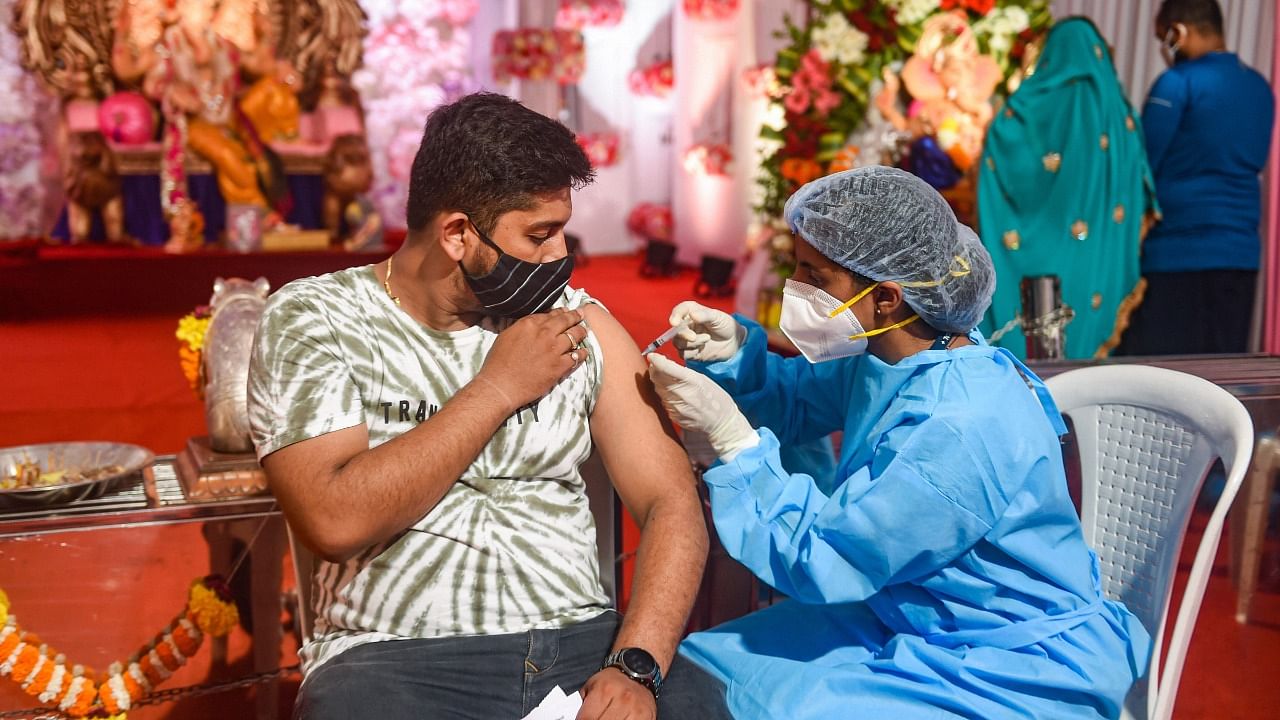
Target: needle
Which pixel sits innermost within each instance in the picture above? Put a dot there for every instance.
(661, 340)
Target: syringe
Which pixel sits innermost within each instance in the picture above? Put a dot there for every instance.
(661, 340)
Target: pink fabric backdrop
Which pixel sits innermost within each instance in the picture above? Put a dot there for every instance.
(1271, 301)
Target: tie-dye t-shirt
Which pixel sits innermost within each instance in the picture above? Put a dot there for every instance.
(510, 547)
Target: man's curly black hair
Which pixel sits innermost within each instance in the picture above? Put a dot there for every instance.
(486, 155)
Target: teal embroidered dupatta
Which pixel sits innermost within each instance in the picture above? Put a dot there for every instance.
(1062, 189)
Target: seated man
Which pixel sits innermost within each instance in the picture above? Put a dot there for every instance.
(422, 422)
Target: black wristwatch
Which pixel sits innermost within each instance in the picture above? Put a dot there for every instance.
(638, 665)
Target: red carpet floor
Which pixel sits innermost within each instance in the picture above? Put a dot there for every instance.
(98, 595)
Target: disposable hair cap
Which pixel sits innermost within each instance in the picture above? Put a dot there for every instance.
(887, 224)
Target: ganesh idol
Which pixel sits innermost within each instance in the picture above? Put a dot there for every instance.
(192, 71)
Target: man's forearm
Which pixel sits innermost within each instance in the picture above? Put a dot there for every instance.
(381, 491)
(669, 564)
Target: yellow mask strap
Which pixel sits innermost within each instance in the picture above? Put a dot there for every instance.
(855, 299)
(959, 268)
(894, 326)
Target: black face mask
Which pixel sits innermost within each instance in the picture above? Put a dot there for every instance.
(515, 288)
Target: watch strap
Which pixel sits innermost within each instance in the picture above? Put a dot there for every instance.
(652, 681)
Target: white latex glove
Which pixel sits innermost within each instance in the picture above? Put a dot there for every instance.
(706, 334)
(694, 402)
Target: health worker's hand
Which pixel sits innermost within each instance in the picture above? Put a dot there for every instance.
(610, 695)
(695, 402)
(534, 354)
(706, 334)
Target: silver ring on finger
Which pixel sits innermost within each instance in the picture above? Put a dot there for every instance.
(573, 344)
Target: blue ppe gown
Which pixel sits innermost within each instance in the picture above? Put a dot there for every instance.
(946, 575)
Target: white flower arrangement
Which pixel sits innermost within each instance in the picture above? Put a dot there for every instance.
(910, 12)
(838, 41)
(1001, 26)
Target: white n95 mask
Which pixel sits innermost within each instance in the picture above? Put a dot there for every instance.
(819, 325)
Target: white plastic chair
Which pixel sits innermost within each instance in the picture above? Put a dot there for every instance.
(1147, 437)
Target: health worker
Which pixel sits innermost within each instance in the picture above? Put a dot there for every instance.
(946, 575)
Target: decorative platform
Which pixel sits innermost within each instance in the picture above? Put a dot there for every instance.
(95, 280)
(207, 475)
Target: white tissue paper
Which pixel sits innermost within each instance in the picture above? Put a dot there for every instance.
(557, 706)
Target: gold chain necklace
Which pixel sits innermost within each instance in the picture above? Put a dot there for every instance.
(386, 283)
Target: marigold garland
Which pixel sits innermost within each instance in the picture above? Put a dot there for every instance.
(190, 333)
(45, 675)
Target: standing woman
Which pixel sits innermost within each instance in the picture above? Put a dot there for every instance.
(946, 575)
(1063, 189)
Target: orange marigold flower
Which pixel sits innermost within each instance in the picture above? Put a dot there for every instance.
(26, 662)
(40, 682)
(187, 645)
(166, 656)
(135, 690)
(84, 701)
(801, 170)
(8, 645)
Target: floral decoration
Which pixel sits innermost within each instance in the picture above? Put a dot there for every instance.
(823, 116)
(710, 9)
(601, 148)
(651, 221)
(398, 95)
(846, 95)
(708, 159)
(74, 690)
(25, 114)
(979, 7)
(539, 54)
(655, 80)
(762, 81)
(190, 333)
(578, 14)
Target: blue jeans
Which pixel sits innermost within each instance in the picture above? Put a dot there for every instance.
(486, 677)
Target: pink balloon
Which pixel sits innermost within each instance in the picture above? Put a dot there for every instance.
(127, 118)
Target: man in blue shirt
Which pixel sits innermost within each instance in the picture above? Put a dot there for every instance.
(1208, 132)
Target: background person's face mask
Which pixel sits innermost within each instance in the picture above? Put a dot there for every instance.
(515, 288)
(1171, 45)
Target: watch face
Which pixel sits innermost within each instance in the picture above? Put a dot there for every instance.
(638, 661)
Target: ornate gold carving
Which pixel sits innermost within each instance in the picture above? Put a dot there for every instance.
(69, 43)
(1012, 240)
(1052, 161)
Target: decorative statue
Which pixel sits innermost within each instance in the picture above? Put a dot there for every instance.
(193, 73)
(951, 83)
(92, 183)
(237, 307)
(348, 176)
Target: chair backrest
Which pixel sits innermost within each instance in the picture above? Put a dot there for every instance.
(1147, 437)
(304, 568)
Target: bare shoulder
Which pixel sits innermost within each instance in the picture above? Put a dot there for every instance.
(615, 340)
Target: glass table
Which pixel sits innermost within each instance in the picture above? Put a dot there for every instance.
(247, 527)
